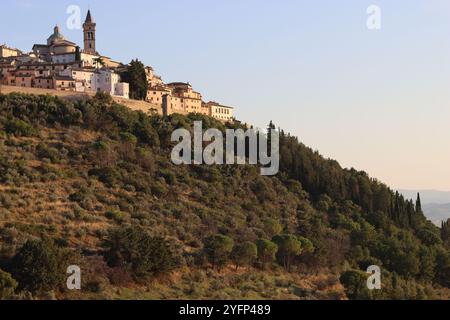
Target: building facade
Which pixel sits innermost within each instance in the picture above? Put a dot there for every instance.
(6, 52)
(220, 112)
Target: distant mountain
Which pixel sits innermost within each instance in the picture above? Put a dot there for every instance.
(437, 212)
(428, 196)
(436, 204)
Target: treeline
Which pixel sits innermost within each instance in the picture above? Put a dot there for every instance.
(321, 176)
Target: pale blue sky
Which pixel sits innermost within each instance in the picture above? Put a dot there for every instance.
(378, 101)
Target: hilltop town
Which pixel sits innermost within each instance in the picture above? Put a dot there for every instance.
(63, 66)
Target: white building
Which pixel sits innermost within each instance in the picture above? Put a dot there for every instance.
(84, 77)
(108, 81)
(122, 90)
(92, 80)
(220, 112)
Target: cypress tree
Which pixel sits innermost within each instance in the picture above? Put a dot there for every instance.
(419, 204)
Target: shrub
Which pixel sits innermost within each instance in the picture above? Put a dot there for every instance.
(7, 285)
(428, 237)
(103, 98)
(39, 266)
(117, 216)
(109, 176)
(45, 152)
(355, 284)
(134, 250)
(20, 128)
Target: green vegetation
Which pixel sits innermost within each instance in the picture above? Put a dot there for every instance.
(136, 77)
(92, 182)
(7, 285)
(288, 248)
(354, 282)
(39, 266)
(244, 254)
(266, 252)
(134, 250)
(218, 249)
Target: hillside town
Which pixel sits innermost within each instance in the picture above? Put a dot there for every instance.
(62, 65)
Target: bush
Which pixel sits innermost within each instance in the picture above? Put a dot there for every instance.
(136, 251)
(39, 266)
(103, 98)
(428, 237)
(45, 152)
(355, 284)
(109, 176)
(7, 285)
(20, 128)
(117, 216)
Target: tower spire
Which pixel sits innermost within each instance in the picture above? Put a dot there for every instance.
(89, 17)
(89, 34)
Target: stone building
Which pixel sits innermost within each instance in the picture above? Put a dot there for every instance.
(60, 64)
(6, 52)
(220, 112)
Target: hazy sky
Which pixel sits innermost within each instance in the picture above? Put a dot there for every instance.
(378, 101)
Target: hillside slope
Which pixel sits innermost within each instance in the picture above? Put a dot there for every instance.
(79, 174)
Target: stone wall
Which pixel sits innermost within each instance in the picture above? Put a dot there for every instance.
(132, 104)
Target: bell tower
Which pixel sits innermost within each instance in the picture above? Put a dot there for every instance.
(89, 34)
